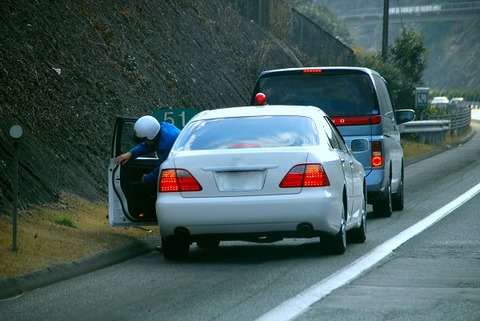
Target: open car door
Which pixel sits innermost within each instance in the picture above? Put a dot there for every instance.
(130, 202)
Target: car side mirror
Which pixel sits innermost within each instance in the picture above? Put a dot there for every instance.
(404, 115)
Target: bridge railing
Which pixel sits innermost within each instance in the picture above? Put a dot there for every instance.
(443, 8)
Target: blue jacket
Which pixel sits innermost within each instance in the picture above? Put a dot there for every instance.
(165, 138)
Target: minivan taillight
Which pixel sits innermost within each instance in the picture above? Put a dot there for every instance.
(305, 175)
(357, 120)
(377, 154)
(177, 180)
(312, 71)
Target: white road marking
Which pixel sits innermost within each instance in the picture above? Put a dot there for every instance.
(295, 306)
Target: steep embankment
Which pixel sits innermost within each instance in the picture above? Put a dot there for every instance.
(68, 68)
(454, 55)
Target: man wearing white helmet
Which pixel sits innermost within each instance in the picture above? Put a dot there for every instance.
(155, 137)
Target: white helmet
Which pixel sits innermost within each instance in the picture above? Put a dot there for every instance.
(146, 127)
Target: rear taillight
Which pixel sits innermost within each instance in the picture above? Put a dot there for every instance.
(357, 120)
(305, 175)
(177, 180)
(377, 155)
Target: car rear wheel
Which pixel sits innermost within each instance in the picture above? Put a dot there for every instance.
(174, 248)
(335, 244)
(359, 235)
(382, 207)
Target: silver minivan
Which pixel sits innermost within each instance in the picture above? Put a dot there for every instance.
(358, 101)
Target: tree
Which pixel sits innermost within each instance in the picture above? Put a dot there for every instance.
(410, 54)
(403, 69)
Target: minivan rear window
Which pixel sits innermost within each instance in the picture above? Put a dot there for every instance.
(248, 132)
(337, 94)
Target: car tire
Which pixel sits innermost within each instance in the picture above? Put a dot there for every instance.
(398, 197)
(208, 243)
(335, 244)
(382, 207)
(175, 249)
(359, 234)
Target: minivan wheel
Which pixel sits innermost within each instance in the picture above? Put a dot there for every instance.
(175, 249)
(382, 207)
(398, 198)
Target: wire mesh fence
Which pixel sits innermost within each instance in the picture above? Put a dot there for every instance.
(319, 47)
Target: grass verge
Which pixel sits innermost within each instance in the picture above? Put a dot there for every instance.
(68, 231)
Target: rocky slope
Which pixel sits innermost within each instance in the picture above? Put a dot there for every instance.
(68, 68)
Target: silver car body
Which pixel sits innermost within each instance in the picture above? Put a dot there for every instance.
(240, 197)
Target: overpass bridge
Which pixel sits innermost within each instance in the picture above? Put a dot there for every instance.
(454, 11)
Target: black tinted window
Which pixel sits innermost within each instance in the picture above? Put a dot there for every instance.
(342, 94)
(248, 132)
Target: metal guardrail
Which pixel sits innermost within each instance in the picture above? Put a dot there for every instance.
(434, 131)
(428, 131)
(426, 126)
(459, 118)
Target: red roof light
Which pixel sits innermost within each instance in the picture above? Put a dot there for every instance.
(260, 99)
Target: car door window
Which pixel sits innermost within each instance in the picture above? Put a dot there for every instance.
(331, 138)
(383, 97)
(336, 139)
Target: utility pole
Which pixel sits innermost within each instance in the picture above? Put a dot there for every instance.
(386, 7)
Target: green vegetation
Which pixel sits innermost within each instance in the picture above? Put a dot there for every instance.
(402, 68)
(65, 220)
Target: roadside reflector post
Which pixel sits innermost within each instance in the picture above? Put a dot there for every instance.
(16, 131)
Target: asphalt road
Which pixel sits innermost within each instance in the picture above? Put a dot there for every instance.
(434, 275)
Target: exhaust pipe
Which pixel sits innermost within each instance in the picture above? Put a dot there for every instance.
(182, 232)
(304, 228)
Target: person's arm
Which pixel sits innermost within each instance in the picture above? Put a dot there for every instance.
(121, 159)
(138, 150)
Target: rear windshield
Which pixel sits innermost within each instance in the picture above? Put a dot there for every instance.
(248, 132)
(336, 94)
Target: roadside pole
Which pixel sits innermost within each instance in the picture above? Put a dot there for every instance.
(16, 131)
(386, 10)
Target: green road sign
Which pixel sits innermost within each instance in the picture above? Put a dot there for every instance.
(421, 97)
(176, 116)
